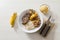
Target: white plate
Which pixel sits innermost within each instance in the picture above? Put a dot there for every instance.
(21, 26)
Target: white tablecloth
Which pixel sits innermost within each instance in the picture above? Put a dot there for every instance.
(7, 7)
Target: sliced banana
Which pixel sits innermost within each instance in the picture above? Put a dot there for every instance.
(33, 16)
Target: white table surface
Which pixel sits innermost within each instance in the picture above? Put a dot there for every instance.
(7, 7)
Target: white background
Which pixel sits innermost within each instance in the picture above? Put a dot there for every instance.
(7, 7)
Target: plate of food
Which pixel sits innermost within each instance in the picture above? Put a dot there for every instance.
(30, 20)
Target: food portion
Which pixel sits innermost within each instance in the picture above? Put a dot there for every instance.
(29, 26)
(25, 18)
(12, 19)
(33, 16)
(31, 19)
(36, 22)
(44, 9)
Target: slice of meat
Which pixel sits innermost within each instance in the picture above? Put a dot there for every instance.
(28, 15)
(25, 18)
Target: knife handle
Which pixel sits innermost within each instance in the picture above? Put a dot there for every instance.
(42, 28)
(45, 31)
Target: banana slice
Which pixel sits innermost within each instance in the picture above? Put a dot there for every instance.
(33, 16)
(12, 19)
